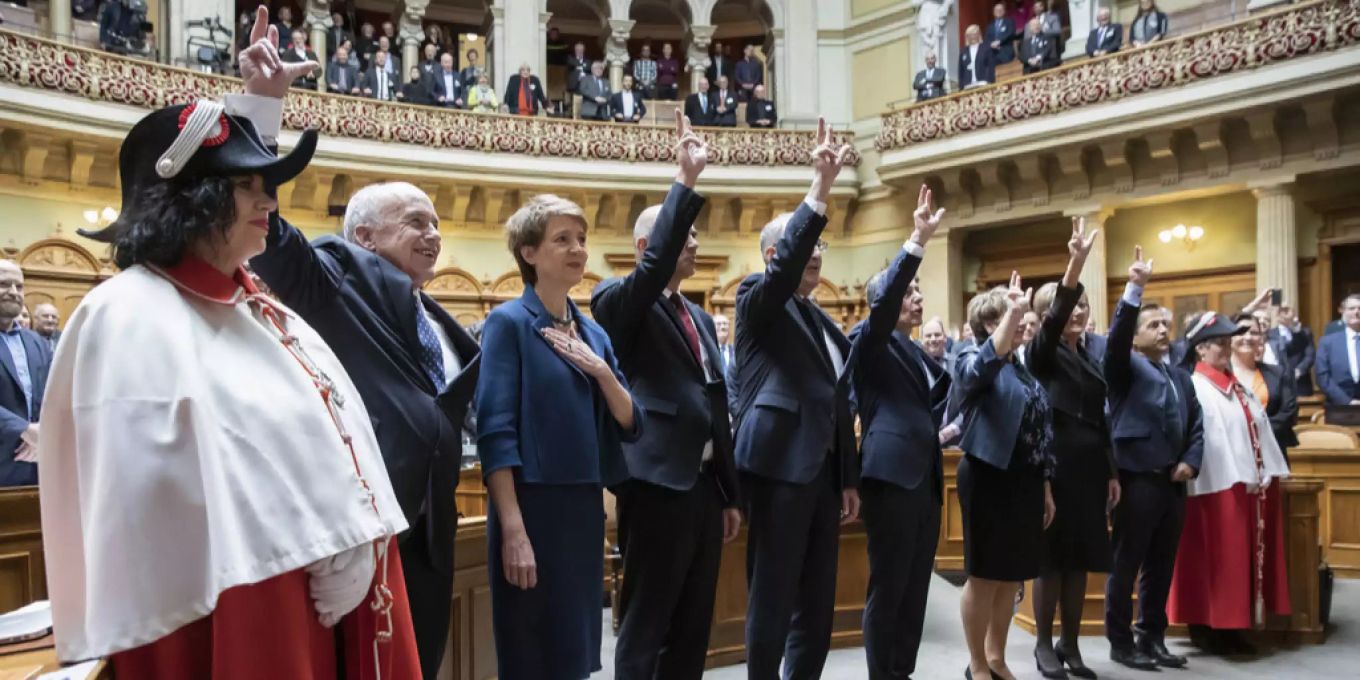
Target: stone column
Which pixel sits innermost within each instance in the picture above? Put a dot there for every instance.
(318, 20)
(180, 11)
(496, 58)
(697, 40)
(1277, 258)
(616, 50)
(942, 274)
(1094, 276)
(775, 67)
(1082, 14)
(410, 33)
(540, 60)
(59, 21)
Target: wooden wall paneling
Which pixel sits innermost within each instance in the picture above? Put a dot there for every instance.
(459, 293)
(1302, 519)
(23, 576)
(1339, 511)
(59, 272)
(1221, 290)
(472, 653)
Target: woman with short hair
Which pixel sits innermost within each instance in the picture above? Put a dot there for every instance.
(481, 97)
(552, 411)
(1003, 478)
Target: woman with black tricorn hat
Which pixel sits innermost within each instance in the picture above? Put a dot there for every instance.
(214, 504)
(1230, 567)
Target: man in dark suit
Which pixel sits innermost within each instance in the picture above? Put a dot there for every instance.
(680, 503)
(699, 105)
(24, 362)
(626, 104)
(594, 91)
(761, 112)
(902, 470)
(749, 74)
(393, 63)
(342, 77)
(1338, 357)
(929, 82)
(795, 439)
(1158, 438)
(1001, 35)
(977, 63)
(1050, 25)
(721, 64)
(46, 322)
(724, 105)
(578, 67)
(1105, 38)
(1037, 51)
(336, 35)
(524, 93)
(1297, 340)
(296, 53)
(377, 83)
(445, 86)
(415, 368)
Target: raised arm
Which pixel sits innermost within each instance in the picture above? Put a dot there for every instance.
(760, 299)
(1118, 364)
(1044, 347)
(885, 309)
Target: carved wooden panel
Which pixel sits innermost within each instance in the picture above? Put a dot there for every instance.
(23, 578)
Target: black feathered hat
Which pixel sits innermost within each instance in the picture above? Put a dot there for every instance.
(197, 140)
(1205, 327)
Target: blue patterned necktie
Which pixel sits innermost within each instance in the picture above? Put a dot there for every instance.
(431, 354)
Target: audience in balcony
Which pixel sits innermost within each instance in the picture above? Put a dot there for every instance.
(667, 74)
(472, 71)
(556, 47)
(760, 111)
(1050, 24)
(336, 35)
(977, 64)
(84, 10)
(445, 87)
(627, 104)
(377, 82)
(698, 106)
(433, 36)
(431, 63)
(283, 20)
(720, 64)
(750, 73)
(929, 82)
(524, 93)
(393, 64)
(365, 44)
(578, 66)
(1105, 38)
(1001, 35)
(594, 91)
(1019, 12)
(1150, 25)
(1037, 51)
(644, 73)
(724, 104)
(297, 53)
(414, 90)
(481, 97)
(342, 76)
(389, 31)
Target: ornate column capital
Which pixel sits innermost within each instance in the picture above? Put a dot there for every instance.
(409, 24)
(318, 13)
(1271, 189)
(616, 41)
(699, 38)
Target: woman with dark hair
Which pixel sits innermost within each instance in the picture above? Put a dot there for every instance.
(1230, 568)
(213, 495)
(1150, 24)
(1085, 480)
(552, 411)
(1003, 479)
(1272, 385)
(435, 36)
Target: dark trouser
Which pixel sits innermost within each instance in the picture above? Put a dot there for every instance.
(672, 545)
(1147, 532)
(903, 527)
(792, 543)
(668, 92)
(431, 598)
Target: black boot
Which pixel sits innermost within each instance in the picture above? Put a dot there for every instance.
(1131, 657)
(1157, 651)
(1072, 657)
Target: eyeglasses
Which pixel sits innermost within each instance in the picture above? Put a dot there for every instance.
(822, 245)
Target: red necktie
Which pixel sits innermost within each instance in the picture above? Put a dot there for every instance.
(687, 323)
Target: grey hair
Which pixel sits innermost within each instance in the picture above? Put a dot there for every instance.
(933, 320)
(642, 227)
(367, 205)
(773, 231)
(874, 287)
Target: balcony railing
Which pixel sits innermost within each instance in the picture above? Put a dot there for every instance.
(1296, 31)
(33, 62)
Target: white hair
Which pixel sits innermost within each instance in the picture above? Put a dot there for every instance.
(773, 231)
(370, 205)
(933, 320)
(642, 227)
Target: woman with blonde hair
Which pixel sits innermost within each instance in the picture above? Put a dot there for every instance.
(481, 97)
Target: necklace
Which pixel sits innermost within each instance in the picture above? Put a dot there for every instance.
(563, 323)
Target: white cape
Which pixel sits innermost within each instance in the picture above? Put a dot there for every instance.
(1228, 457)
(184, 451)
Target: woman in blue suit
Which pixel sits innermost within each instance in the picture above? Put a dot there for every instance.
(552, 410)
(1003, 478)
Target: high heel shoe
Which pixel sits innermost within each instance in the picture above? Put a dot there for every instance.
(968, 673)
(1049, 671)
(1073, 662)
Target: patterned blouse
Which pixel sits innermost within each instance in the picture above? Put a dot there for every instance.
(1034, 442)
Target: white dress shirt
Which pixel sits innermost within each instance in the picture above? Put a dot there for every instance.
(972, 62)
(1350, 352)
(452, 366)
(627, 99)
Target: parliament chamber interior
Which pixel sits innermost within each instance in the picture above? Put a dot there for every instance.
(1222, 137)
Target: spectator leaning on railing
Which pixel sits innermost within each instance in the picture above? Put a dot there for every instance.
(342, 77)
(414, 92)
(1037, 51)
(626, 104)
(929, 82)
(594, 91)
(444, 87)
(481, 97)
(1150, 25)
(760, 112)
(977, 64)
(524, 93)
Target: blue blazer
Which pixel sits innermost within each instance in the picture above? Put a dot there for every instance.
(991, 399)
(1137, 391)
(986, 65)
(537, 411)
(14, 414)
(1004, 32)
(1333, 367)
(891, 388)
(792, 409)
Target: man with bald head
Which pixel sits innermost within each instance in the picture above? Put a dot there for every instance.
(415, 367)
(24, 361)
(679, 504)
(46, 320)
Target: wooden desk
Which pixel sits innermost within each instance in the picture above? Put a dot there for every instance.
(25, 660)
(23, 576)
(1339, 511)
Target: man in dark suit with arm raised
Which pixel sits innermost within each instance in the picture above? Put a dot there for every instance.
(679, 504)
(1158, 436)
(901, 483)
(795, 441)
(1298, 344)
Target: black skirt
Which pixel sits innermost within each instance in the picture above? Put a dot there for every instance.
(1079, 538)
(1003, 519)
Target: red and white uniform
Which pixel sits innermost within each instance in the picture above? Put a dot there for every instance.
(202, 446)
(1230, 568)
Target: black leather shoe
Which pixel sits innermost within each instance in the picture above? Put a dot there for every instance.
(1157, 651)
(1049, 671)
(1132, 658)
(1075, 665)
